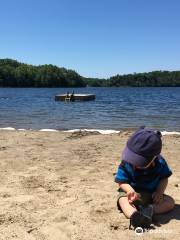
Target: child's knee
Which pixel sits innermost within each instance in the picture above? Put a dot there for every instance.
(169, 202)
(123, 200)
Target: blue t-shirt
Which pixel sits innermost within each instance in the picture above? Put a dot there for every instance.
(143, 180)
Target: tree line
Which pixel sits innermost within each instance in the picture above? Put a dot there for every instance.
(16, 74)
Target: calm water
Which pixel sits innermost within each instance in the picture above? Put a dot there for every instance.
(114, 108)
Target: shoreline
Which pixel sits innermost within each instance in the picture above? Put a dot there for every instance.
(100, 131)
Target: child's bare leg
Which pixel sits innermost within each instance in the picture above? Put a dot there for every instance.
(126, 207)
(166, 205)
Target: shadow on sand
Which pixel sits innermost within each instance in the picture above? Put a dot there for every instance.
(166, 217)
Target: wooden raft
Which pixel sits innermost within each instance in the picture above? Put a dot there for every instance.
(76, 97)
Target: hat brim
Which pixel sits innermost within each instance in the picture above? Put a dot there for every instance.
(133, 158)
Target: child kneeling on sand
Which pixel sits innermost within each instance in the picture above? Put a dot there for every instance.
(143, 177)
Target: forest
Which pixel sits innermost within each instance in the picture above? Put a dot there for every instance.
(16, 74)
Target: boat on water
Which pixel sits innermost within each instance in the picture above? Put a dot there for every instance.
(75, 97)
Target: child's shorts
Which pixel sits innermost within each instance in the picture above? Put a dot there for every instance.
(145, 199)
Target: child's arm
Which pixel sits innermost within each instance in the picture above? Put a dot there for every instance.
(131, 194)
(158, 194)
(162, 185)
(126, 187)
(164, 174)
(123, 177)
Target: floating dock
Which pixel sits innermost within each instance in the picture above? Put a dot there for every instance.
(76, 97)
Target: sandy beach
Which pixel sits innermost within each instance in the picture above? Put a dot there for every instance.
(60, 186)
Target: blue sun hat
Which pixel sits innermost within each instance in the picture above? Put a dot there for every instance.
(142, 146)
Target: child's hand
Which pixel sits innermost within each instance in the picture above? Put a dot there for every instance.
(157, 197)
(132, 196)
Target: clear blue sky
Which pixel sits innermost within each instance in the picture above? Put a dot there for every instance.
(97, 38)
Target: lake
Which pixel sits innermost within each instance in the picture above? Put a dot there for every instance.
(114, 108)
